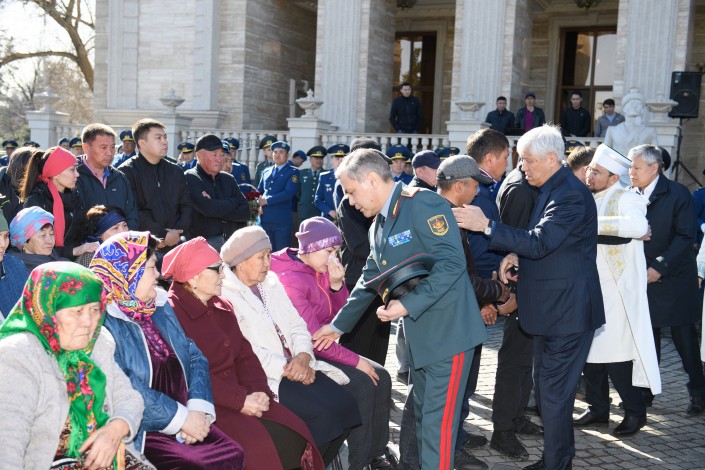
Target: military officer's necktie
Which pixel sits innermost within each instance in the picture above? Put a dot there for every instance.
(380, 228)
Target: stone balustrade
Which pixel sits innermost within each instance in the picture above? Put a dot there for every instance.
(416, 142)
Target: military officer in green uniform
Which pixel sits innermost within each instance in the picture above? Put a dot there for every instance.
(441, 318)
(265, 146)
(309, 182)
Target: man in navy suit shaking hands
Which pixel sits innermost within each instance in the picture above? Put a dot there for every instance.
(559, 292)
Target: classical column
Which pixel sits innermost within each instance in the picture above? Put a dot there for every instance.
(354, 45)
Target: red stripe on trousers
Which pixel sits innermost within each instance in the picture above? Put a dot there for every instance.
(449, 411)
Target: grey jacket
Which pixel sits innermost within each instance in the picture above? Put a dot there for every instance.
(603, 123)
(34, 404)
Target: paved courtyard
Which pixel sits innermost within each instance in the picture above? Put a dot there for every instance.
(670, 440)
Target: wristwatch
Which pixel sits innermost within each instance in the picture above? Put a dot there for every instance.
(489, 229)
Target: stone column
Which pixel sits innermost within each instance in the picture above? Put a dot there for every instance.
(354, 45)
(175, 124)
(42, 126)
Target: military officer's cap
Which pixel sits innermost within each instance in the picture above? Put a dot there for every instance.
(185, 147)
(9, 144)
(226, 147)
(75, 142)
(209, 142)
(403, 278)
(571, 145)
(126, 135)
(301, 154)
(426, 158)
(339, 150)
(233, 142)
(280, 144)
(267, 141)
(398, 151)
(447, 152)
(64, 140)
(31, 143)
(317, 151)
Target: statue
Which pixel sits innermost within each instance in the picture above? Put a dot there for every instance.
(632, 131)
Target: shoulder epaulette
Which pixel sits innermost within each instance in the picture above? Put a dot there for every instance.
(409, 192)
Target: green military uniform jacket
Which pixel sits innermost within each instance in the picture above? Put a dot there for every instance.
(444, 318)
(307, 194)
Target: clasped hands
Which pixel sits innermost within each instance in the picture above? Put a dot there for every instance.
(299, 370)
(195, 428)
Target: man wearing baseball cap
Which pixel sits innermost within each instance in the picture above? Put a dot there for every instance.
(425, 164)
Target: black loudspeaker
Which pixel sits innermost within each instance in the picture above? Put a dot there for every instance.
(685, 89)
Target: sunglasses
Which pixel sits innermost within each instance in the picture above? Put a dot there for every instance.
(218, 269)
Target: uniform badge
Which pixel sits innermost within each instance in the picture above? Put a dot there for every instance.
(400, 238)
(438, 224)
(294, 179)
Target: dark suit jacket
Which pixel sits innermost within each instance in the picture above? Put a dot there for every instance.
(559, 289)
(539, 118)
(673, 300)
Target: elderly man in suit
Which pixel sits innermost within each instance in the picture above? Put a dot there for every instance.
(441, 317)
(559, 292)
(671, 274)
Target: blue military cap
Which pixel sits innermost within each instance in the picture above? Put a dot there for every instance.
(31, 143)
(233, 142)
(299, 153)
(75, 142)
(398, 151)
(446, 152)
(126, 135)
(571, 145)
(267, 141)
(402, 278)
(280, 144)
(226, 147)
(339, 150)
(317, 151)
(10, 144)
(64, 140)
(185, 147)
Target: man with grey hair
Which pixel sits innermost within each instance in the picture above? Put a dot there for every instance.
(559, 292)
(440, 315)
(671, 269)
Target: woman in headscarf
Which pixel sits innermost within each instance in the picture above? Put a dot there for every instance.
(282, 343)
(32, 237)
(100, 224)
(64, 401)
(50, 183)
(271, 435)
(163, 364)
(313, 278)
(13, 274)
(11, 180)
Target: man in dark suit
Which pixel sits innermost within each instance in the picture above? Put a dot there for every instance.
(441, 317)
(559, 293)
(672, 273)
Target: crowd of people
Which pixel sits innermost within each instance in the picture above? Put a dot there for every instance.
(165, 313)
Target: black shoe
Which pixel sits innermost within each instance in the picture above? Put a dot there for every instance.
(535, 466)
(531, 410)
(466, 461)
(589, 419)
(697, 406)
(403, 377)
(383, 462)
(474, 441)
(527, 427)
(507, 444)
(629, 426)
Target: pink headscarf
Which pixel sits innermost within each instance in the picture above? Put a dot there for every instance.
(189, 259)
(59, 160)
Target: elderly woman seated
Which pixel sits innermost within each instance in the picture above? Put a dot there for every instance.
(64, 401)
(313, 279)
(271, 435)
(32, 237)
(164, 365)
(100, 224)
(13, 274)
(282, 343)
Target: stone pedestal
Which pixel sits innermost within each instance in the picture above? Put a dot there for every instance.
(42, 126)
(305, 132)
(460, 130)
(175, 123)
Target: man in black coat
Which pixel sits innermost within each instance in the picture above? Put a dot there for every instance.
(406, 115)
(672, 272)
(576, 120)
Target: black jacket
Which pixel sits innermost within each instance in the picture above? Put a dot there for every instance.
(576, 122)
(356, 244)
(419, 183)
(9, 201)
(223, 210)
(516, 199)
(163, 199)
(406, 114)
(116, 193)
(73, 215)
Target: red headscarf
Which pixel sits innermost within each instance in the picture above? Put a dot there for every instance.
(59, 160)
(188, 259)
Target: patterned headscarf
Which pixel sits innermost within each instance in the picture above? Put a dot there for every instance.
(120, 262)
(26, 223)
(50, 288)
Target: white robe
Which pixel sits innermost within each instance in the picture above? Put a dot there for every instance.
(626, 334)
(701, 274)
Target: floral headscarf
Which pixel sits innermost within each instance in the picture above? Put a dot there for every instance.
(120, 263)
(50, 288)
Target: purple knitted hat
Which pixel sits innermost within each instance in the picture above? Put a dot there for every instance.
(317, 233)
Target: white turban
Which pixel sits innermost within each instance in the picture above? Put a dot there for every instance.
(613, 161)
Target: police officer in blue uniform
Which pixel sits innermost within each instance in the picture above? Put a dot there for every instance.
(129, 148)
(239, 170)
(186, 155)
(76, 146)
(265, 145)
(9, 146)
(325, 193)
(298, 158)
(278, 188)
(399, 155)
(64, 143)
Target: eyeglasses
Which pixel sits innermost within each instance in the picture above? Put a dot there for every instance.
(218, 269)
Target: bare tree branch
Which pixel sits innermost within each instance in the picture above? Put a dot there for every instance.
(12, 57)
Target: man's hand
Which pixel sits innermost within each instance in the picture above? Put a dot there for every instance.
(333, 215)
(470, 218)
(647, 235)
(262, 201)
(509, 306)
(652, 275)
(509, 261)
(173, 236)
(323, 338)
(392, 312)
(205, 194)
(489, 314)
